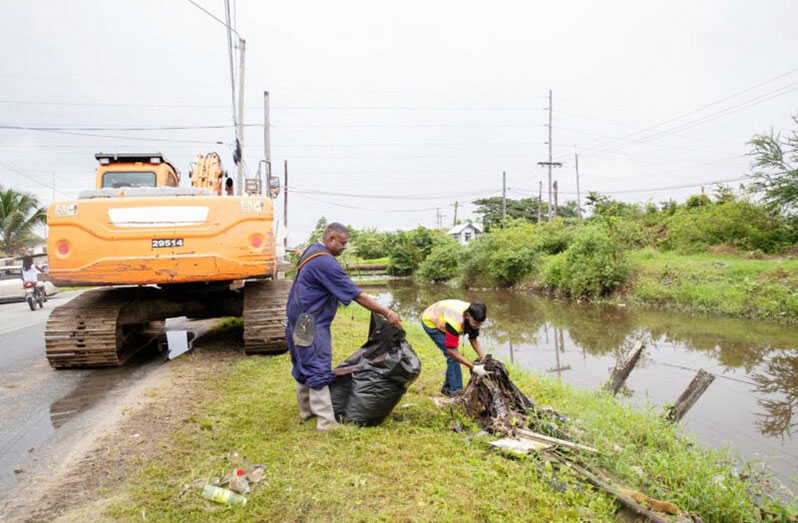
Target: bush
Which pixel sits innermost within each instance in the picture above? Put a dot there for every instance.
(503, 258)
(740, 224)
(443, 262)
(594, 265)
(409, 249)
(369, 243)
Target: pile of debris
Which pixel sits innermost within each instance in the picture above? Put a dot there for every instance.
(500, 408)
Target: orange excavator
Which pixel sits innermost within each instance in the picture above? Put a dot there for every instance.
(160, 251)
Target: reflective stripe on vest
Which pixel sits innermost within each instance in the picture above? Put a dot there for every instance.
(439, 314)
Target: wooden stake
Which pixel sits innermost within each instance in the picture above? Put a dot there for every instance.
(624, 367)
(700, 383)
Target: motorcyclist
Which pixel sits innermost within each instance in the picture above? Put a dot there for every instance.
(30, 273)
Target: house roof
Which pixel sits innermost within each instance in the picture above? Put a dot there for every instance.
(457, 229)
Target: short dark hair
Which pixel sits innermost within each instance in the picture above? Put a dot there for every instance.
(334, 227)
(478, 311)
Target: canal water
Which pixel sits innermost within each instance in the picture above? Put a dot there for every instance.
(752, 406)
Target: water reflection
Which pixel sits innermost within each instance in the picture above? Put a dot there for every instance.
(762, 356)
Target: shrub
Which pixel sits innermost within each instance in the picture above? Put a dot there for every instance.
(408, 249)
(741, 224)
(594, 265)
(504, 257)
(443, 262)
(369, 243)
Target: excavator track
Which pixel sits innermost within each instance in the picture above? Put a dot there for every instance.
(264, 316)
(99, 329)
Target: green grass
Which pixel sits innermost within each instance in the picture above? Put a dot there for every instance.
(726, 284)
(412, 467)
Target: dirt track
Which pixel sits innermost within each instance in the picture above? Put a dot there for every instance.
(131, 431)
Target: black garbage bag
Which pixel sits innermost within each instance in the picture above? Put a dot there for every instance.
(371, 381)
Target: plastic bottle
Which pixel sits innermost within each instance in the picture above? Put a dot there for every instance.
(222, 495)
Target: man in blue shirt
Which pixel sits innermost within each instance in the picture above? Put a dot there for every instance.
(319, 285)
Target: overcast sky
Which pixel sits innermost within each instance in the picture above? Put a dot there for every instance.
(378, 101)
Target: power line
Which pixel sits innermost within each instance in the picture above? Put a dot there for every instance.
(22, 172)
(195, 4)
(71, 133)
(658, 189)
(699, 109)
(370, 209)
(306, 190)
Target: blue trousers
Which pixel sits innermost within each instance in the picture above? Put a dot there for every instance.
(454, 376)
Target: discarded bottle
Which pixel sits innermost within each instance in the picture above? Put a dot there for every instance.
(222, 495)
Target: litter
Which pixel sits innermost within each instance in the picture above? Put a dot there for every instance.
(370, 383)
(178, 342)
(520, 447)
(222, 495)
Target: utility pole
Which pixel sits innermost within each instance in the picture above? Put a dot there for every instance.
(454, 222)
(504, 196)
(550, 163)
(578, 198)
(285, 202)
(242, 47)
(555, 201)
(267, 143)
(540, 200)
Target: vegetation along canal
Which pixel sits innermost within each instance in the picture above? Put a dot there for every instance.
(751, 406)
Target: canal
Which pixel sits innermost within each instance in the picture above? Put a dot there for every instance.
(752, 406)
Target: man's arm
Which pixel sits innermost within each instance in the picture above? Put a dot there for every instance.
(371, 304)
(454, 353)
(477, 347)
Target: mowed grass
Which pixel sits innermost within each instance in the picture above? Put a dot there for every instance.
(725, 284)
(413, 467)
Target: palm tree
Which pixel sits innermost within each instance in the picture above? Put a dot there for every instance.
(20, 214)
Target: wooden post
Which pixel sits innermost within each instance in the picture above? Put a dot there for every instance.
(504, 196)
(578, 198)
(701, 381)
(540, 200)
(555, 201)
(285, 202)
(624, 367)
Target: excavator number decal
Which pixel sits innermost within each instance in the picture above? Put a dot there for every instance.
(167, 242)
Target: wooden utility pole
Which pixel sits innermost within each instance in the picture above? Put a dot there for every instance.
(454, 221)
(550, 163)
(540, 200)
(504, 195)
(285, 202)
(553, 212)
(578, 199)
(242, 47)
(267, 143)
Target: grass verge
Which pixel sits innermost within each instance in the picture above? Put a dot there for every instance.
(726, 284)
(413, 468)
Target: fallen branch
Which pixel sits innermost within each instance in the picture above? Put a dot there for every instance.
(548, 439)
(633, 505)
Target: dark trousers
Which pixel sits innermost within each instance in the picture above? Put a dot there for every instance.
(454, 376)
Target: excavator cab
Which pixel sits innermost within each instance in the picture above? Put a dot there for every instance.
(116, 171)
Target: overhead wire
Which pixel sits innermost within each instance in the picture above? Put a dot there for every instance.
(307, 190)
(26, 174)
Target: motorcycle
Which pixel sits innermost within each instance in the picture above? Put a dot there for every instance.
(34, 295)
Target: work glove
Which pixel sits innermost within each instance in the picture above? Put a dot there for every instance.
(479, 370)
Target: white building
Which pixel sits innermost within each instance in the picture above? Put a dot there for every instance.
(465, 232)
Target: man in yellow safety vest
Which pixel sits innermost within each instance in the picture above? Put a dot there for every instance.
(445, 321)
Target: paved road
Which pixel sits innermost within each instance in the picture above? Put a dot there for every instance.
(44, 412)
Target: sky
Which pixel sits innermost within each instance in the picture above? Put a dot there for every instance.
(389, 112)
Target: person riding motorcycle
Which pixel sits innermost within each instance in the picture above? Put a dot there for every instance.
(30, 273)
